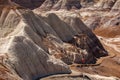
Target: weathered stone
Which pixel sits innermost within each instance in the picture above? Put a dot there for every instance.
(27, 54)
(29, 3)
(60, 4)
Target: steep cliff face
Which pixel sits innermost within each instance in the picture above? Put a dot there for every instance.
(107, 18)
(74, 26)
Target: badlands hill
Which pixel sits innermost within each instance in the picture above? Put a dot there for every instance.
(35, 44)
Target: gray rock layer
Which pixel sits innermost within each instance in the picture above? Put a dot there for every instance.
(27, 54)
(60, 4)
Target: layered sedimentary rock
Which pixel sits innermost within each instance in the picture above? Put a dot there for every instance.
(60, 4)
(101, 14)
(42, 45)
(27, 52)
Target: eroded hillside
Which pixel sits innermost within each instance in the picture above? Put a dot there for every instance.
(42, 42)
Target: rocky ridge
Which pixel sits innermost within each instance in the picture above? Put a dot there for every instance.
(25, 45)
(35, 41)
